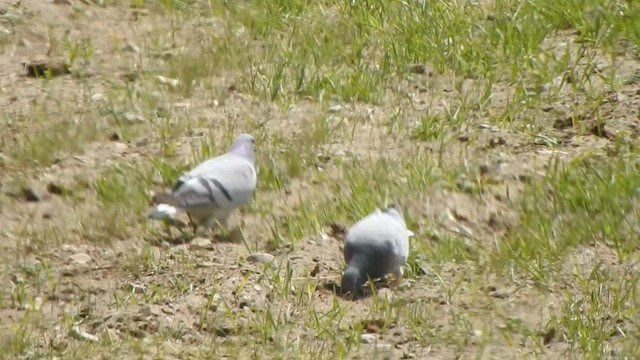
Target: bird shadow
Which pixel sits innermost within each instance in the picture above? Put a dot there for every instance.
(365, 292)
(185, 237)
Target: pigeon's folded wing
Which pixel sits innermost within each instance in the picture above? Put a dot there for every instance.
(230, 183)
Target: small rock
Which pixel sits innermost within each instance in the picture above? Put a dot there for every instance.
(223, 331)
(114, 136)
(202, 243)
(548, 336)
(260, 258)
(367, 338)
(132, 117)
(56, 189)
(40, 69)
(490, 288)
(384, 347)
(97, 97)
(69, 270)
(130, 76)
(466, 186)
(151, 310)
(316, 270)
(563, 123)
(69, 248)
(463, 230)
(488, 127)
(31, 195)
(493, 142)
(142, 142)
(137, 333)
(169, 311)
(180, 248)
(244, 302)
(205, 264)
(334, 109)
(324, 237)
(463, 138)
(130, 48)
(79, 334)
(80, 259)
(418, 69)
(525, 178)
(167, 81)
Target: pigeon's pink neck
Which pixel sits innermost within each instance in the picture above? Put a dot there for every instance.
(242, 150)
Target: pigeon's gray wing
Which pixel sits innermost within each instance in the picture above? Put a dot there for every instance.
(224, 182)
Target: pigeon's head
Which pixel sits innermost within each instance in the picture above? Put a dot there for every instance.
(352, 281)
(243, 145)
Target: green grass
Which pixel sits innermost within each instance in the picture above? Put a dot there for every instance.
(350, 102)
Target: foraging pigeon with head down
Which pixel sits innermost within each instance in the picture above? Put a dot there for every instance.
(374, 247)
(213, 189)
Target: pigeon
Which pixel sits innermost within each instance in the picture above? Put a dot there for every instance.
(375, 246)
(212, 190)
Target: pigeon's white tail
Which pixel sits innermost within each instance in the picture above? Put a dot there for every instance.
(162, 211)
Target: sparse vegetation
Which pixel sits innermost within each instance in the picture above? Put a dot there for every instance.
(507, 129)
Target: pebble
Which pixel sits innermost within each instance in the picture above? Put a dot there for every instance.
(97, 97)
(131, 48)
(56, 189)
(202, 243)
(31, 194)
(168, 81)
(367, 338)
(133, 117)
(79, 334)
(260, 258)
(418, 69)
(80, 259)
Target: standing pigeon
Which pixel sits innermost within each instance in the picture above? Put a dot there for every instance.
(213, 189)
(374, 247)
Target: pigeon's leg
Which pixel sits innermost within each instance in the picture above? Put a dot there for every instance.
(397, 276)
(209, 223)
(194, 226)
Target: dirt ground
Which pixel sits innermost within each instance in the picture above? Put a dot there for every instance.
(85, 275)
